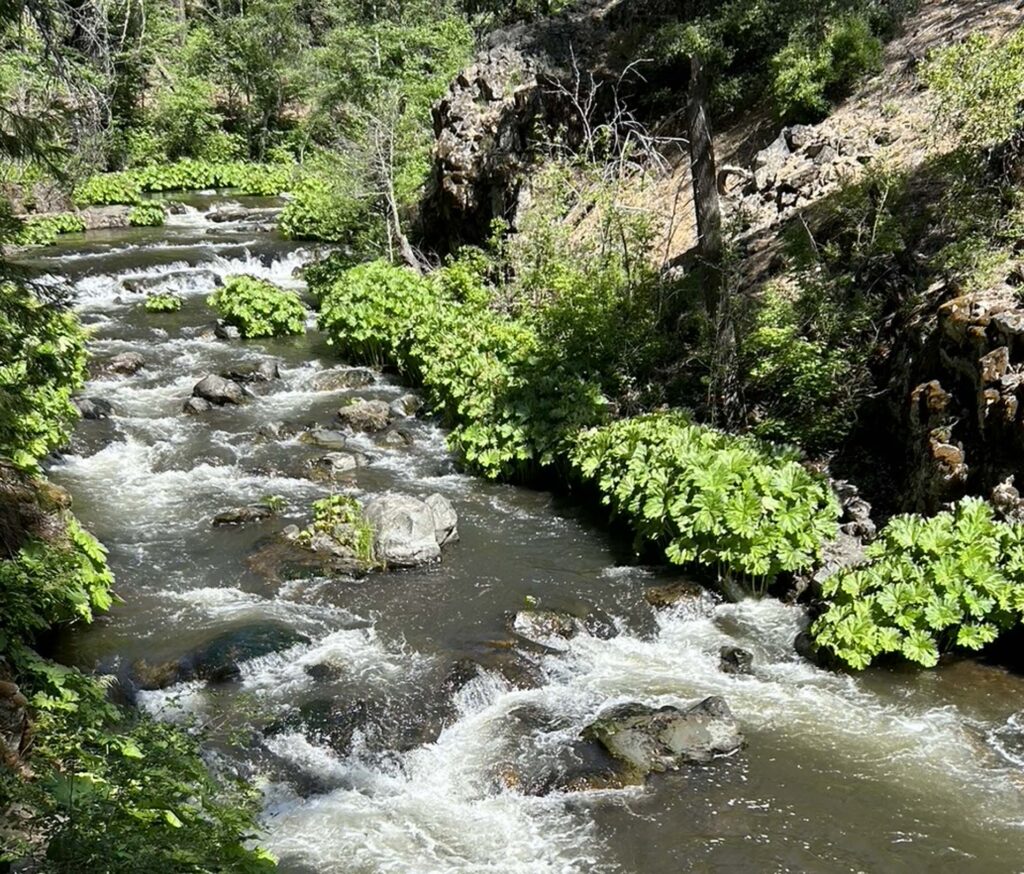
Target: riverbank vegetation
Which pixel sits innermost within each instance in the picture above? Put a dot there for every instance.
(706, 396)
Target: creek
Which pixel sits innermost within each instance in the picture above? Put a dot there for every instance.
(386, 718)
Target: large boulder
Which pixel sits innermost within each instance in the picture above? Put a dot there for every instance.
(218, 391)
(366, 415)
(409, 531)
(648, 739)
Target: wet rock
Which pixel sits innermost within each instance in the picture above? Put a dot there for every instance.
(734, 660)
(366, 416)
(126, 363)
(243, 515)
(405, 406)
(343, 378)
(196, 406)
(286, 557)
(218, 391)
(263, 371)
(856, 520)
(100, 217)
(397, 438)
(405, 529)
(545, 626)
(324, 438)
(446, 520)
(674, 594)
(220, 659)
(223, 331)
(649, 740)
(94, 408)
(335, 465)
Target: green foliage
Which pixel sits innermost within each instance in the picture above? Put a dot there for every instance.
(709, 497)
(49, 583)
(326, 206)
(44, 230)
(186, 175)
(162, 303)
(150, 215)
(42, 363)
(113, 791)
(955, 580)
(512, 404)
(810, 74)
(259, 309)
(341, 518)
(979, 85)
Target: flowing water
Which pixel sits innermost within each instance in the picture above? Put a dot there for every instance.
(377, 749)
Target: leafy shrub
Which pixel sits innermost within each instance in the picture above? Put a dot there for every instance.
(44, 230)
(326, 209)
(930, 585)
(511, 403)
(341, 518)
(979, 84)
(186, 175)
(53, 583)
(709, 497)
(150, 215)
(162, 303)
(809, 75)
(115, 791)
(42, 362)
(259, 309)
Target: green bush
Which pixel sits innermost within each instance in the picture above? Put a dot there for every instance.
(42, 363)
(809, 75)
(44, 230)
(103, 188)
(162, 303)
(929, 586)
(326, 209)
(149, 215)
(113, 791)
(511, 403)
(979, 84)
(259, 309)
(341, 518)
(709, 497)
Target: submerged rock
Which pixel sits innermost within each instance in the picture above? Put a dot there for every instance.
(242, 515)
(223, 331)
(409, 531)
(342, 378)
(196, 406)
(94, 408)
(366, 415)
(324, 438)
(218, 391)
(263, 371)
(335, 465)
(648, 739)
(734, 660)
(126, 364)
(673, 594)
(543, 626)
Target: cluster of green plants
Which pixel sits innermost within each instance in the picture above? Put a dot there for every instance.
(329, 206)
(111, 790)
(930, 585)
(127, 186)
(162, 302)
(44, 230)
(259, 308)
(709, 497)
(341, 518)
(148, 215)
(42, 363)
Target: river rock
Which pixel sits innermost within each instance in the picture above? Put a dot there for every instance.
(366, 415)
(648, 739)
(218, 660)
(223, 331)
(324, 438)
(336, 464)
(263, 371)
(397, 438)
(218, 391)
(196, 406)
(126, 363)
(243, 515)
(342, 378)
(406, 529)
(446, 520)
(675, 594)
(734, 660)
(405, 406)
(94, 408)
(545, 627)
